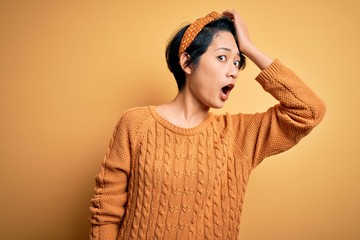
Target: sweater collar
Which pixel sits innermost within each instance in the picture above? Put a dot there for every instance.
(179, 130)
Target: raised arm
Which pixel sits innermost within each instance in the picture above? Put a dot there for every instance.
(299, 110)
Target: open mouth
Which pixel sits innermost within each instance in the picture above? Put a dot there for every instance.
(226, 90)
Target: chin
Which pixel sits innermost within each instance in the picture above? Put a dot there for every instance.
(218, 106)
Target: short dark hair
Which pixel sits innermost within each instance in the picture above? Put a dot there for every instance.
(197, 48)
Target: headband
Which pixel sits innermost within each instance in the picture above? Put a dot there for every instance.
(193, 30)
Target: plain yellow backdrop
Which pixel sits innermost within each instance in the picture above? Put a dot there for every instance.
(68, 70)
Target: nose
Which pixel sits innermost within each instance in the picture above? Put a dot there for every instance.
(233, 72)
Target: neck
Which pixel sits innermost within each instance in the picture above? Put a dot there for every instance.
(183, 112)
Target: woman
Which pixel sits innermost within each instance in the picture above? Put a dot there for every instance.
(177, 171)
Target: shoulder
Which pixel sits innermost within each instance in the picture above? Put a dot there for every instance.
(135, 113)
(227, 117)
(132, 118)
(239, 121)
(227, 120)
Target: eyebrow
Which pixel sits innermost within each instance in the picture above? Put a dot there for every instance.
(226, 49)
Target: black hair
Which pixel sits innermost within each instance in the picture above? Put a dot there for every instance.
(197, 48)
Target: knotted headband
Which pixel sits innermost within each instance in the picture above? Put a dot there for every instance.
(193, 30)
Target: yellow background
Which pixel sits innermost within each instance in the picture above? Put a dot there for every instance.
(68, 69)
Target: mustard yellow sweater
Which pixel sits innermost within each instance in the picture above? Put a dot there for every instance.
(160, 181)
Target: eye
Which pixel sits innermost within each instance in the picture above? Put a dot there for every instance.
(222, 58)
(237, 63)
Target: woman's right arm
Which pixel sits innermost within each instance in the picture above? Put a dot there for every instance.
(108, 203)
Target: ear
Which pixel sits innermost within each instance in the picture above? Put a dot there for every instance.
(184, 57)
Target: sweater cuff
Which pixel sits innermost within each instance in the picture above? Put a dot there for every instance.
(103, 232)
(269, 72)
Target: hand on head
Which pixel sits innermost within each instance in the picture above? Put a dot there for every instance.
(245, 44)
(241, 29)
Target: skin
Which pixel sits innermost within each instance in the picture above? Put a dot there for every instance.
(218, 67)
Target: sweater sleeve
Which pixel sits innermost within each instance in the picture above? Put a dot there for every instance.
(282, 126)
(108, 203)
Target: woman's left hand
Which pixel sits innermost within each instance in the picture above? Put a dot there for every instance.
(245, 44)
(241, 30)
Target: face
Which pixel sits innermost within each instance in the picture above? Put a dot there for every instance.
(209, 83)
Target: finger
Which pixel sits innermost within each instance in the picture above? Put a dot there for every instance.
(229, 14)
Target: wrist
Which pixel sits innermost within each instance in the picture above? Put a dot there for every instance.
(258, 57)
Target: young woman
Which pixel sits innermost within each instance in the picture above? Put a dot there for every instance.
(178, 171)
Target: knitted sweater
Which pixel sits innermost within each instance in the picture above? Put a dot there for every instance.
(160, 181)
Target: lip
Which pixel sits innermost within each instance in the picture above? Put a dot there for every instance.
(225, 91)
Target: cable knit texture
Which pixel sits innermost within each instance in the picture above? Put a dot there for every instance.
(160, 181)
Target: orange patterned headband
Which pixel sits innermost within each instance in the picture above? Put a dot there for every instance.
(194, 29)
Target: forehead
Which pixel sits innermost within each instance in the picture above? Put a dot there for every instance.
(224, 39)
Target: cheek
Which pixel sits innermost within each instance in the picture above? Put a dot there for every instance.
(205, 77)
